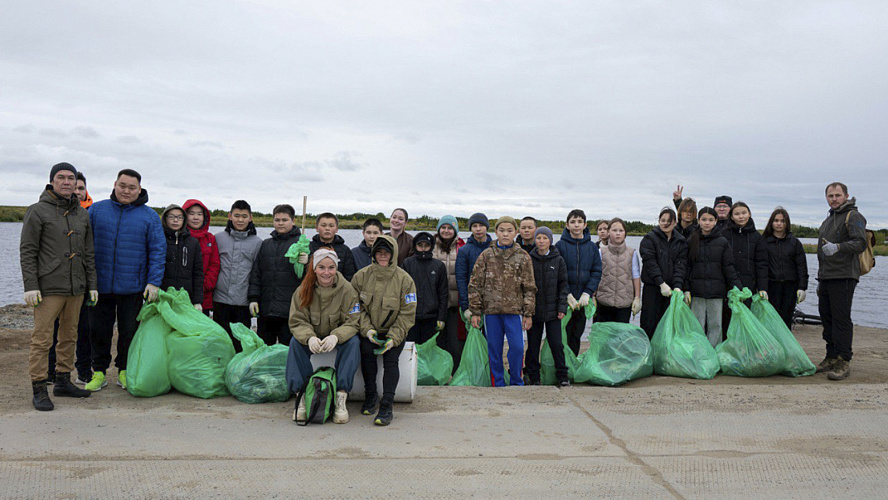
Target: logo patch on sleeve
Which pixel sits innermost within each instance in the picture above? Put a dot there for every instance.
(356, 309)
(410, 298)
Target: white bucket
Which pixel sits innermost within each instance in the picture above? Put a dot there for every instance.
(406, 390)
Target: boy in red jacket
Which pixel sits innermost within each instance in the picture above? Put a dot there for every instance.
(197, 217)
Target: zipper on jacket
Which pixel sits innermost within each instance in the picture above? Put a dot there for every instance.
(386, 319)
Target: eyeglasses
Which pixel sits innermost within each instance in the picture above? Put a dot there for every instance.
(175, 217)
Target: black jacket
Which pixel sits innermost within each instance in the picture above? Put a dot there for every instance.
(346, 258)
(664, 261)
(432, 288)
(712, 271)
(550, 275)
(750, 254)
(526, 246)
(786, 260)
(183, 267)
(273, 278)
(688, 231)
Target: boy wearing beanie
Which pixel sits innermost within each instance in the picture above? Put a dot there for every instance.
(502, 289)
(466, 257)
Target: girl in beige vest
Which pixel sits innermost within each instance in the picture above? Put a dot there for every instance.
(619, 293)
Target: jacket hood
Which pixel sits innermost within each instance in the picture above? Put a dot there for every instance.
(206, 223)
(553, 253)
(50, 196)
(87, 202)
(140, 200)
(166, 229)
(565, 235)
(851, 204)
(293, 233)
(362, 246)
(251, 229)
(337, 240)
(748, 228)
(385, 240)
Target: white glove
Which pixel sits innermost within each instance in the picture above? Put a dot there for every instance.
(688, 298)
(151, 292)
(254, 308)
(439, 326)
(303, 258)
(329, 343)
(584, 300)
(800, 296)
(665, 290)
(467, 315)
(763, 294)
(199, 307)
(830, 249)
(636, 306)
(33, 298)
(93, 297)
(315, 345)
(571, 301)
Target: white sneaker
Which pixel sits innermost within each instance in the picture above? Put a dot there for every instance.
(299, 413)
(340, 415)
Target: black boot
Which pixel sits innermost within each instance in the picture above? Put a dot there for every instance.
(64, 388)
(384, 417)
(370, 402)
(41, 397)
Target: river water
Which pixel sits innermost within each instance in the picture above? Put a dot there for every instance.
(870, 306)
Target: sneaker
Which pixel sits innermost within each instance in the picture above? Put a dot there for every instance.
(340, 415)
(384, 417)
(83, 378)
(564, 383)
(121, 378)
(41, 399)
(64, 388)
(299, 412)
(840, 370)
(826, 365)
(97, 382)
(369, 406)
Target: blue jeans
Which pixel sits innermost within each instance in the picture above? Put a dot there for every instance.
(299, 368)
(499, 327)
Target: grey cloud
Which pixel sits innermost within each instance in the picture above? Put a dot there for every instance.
(129, 139)
(24, 129)
(207, 144)
(85, 132)
(53, 132)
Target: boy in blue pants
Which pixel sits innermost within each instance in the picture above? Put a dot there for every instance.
(502, 288)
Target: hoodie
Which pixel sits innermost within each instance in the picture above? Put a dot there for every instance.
(361, 254)
(183, 267)
(208, 250)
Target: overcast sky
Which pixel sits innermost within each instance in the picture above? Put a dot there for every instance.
(518, 108)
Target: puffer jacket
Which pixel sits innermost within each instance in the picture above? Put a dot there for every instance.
(687, 231)
(550, 276)
(430, 277)
(273, 278)
(449, 260)
(129, 243)
(712, 271)
(346, 258)
(851, 237)
(333, 311)
(237, 252)
(465, 263)
(209, 251)
(786, 260)
(56, 247)
(583, 262)
(750, 254)
(664, 260)
(184, 263)
(387, 295)
(502, 282)
(361, 254)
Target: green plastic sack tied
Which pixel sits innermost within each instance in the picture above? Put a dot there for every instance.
(433, 364)
(618, 353)
(547, 361)
(798, 364)
(258, 373)
(198, 349)
(146, 364)
(474, 366)
(679, 347)
(749, 351)
(301, 246)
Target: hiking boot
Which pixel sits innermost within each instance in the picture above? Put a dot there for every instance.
(840, 370)
(96, 382)
(299, 412)
(384, 417)
(564, 383)
(826, 365)
(340, 415)
(64, 388)
(369, 406)
(121, 378)
(41, 396)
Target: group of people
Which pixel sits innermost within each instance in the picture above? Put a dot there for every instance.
(87, 266)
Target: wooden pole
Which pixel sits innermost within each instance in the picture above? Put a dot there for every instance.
(304, 204)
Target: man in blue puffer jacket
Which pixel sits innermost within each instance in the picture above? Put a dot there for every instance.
(583, 272)
(466, 257)
(130, 249)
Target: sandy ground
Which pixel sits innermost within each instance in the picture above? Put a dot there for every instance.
(659, 437)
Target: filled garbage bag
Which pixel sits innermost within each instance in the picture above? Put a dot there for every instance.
(679, 347)
(146, 365)
(749, 351)
(433, 364)
(798, 364)
(474, 367)
(301, 246)
(258, 373)
(548, 374)
(198, 349)
(618, 353)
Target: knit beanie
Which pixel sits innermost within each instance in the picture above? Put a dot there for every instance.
(723, 199)
(479, 218)
(545, 231)
(504, 220)
(448, 219)
(58, 167)
(324, 253)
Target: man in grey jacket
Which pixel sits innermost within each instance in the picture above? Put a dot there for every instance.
(238, 246)
(58, 268)
(841, 240)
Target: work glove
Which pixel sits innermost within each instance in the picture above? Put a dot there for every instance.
(150, 292)
(254, 309)
(763, 294)
(800, 296)
(677, 290)
(389, 343)
(467, 316)
(439, 326)
(93, 298)
(665, 290)
(199, 307)
(571, 301)
(329, 343)
(688, 298)
(303, 258)
(33, 298)
(584, 300)
(315, 345)
(830, 249)
(372, 337)
(636, 306)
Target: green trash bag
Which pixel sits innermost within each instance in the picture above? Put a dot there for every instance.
(618, 353)
(433, 364)
(301, 246)
(474, 366)
(798, 364)
(146, 365)
(749, 351)
(547, 361)
(258, 373)
(679, 347)
(198, 349)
